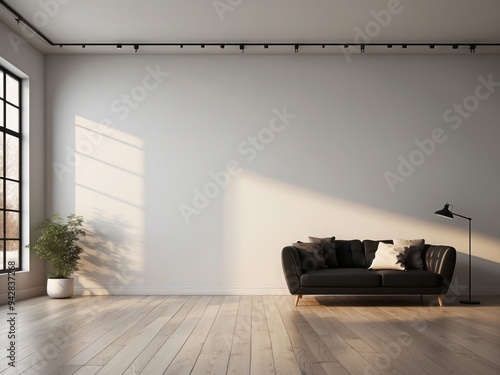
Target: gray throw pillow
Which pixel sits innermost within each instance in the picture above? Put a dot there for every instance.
(414, 254)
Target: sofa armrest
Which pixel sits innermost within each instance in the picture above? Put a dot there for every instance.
(441, 260)
(292, 268)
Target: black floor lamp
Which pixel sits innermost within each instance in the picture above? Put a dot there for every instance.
(445, 212)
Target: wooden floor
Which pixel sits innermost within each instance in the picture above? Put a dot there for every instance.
(252, 335)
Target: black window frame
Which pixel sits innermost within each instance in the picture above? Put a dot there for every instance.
(4, 132)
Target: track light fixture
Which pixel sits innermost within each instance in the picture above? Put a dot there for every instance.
(296, 46)
(20, 20)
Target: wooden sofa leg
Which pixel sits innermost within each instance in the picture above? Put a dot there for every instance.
(440, 300)
(297, 299)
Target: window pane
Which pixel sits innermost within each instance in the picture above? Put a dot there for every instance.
(10, 169)
(12, 157)
(12, 196)
(12, 227)
(12, 90)
(12, 118)
(13, 252)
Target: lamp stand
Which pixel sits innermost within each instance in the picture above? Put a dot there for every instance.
(469, 301)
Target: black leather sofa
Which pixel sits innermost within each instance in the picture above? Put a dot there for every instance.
(352, 276)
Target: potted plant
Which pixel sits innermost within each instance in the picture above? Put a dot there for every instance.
(57, 244)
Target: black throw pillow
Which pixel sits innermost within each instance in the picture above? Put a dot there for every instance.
(329, 253)
(311, 255)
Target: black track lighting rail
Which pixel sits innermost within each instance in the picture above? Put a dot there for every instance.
(22, 21)
(267, 45)
(241, 45)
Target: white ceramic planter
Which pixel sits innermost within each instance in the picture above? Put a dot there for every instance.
(60, 288)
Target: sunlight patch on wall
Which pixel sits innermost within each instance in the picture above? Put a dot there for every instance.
(109, 193)
(262, 215)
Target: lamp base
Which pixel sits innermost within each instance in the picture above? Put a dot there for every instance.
(469, 302)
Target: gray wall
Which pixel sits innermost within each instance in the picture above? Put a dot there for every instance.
(18, 56)
(308, 145)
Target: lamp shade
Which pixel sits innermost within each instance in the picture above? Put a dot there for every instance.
(445, 212)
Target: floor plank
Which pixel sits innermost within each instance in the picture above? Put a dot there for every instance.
(253, 335)
(282, 351)
(176, 313)
(185, 360)
(239, 358)
(214, 356)
(167, 352)
(306, 359)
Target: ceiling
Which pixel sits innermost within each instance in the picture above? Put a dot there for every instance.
(255, 21)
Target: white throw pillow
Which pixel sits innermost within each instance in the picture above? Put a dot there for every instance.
(389, 257)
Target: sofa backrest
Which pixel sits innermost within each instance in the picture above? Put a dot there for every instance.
(350, 254)
(357, 254)
(360, 254)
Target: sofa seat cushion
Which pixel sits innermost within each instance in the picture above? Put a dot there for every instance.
(341, 277)
(410, 278)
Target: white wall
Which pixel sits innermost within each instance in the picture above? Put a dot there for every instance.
(22, 59)
(321, 171)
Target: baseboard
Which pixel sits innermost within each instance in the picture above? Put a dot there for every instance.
(225, 291)
(484, 291)
(26, 293)
(167, 291)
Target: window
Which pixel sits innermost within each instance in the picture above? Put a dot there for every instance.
(10, 170)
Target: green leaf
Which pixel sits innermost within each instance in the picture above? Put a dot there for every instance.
(57, 243)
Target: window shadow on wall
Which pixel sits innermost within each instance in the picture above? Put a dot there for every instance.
(109, 193)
